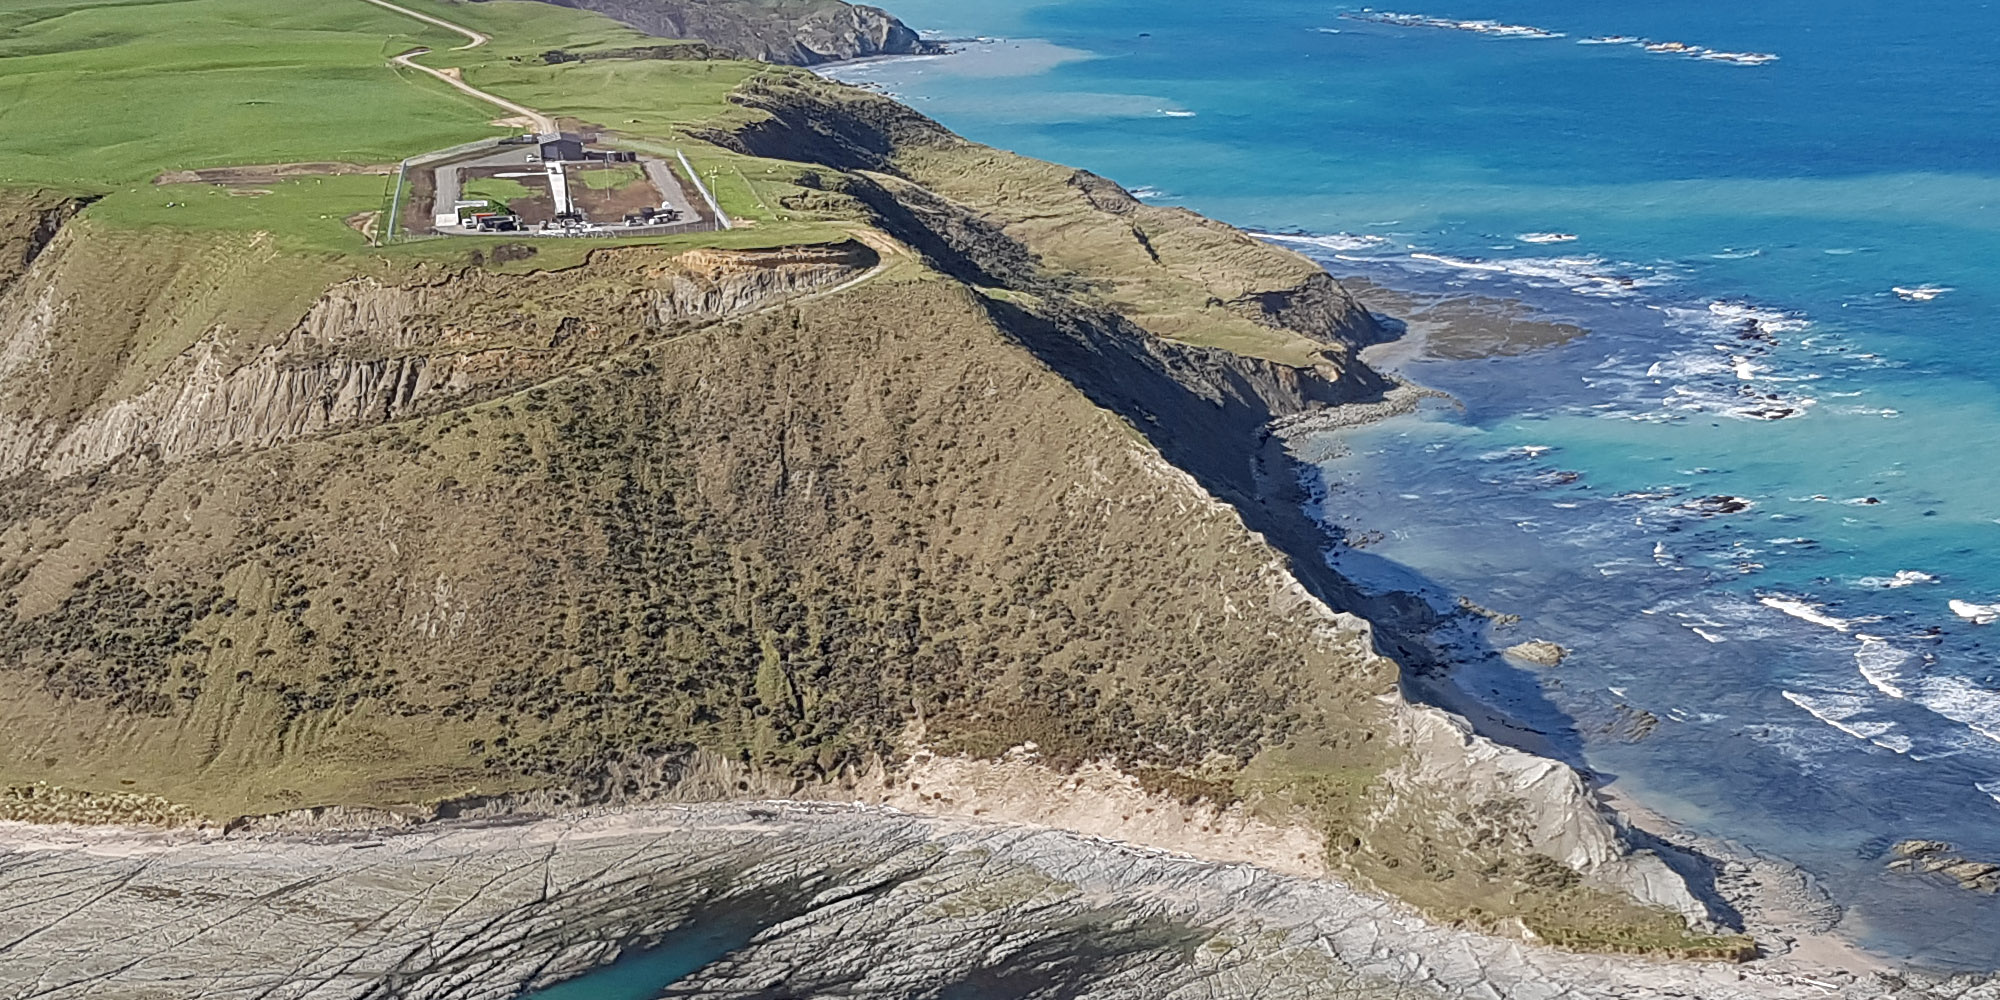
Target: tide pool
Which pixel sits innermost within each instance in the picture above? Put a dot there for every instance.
(1788, 272)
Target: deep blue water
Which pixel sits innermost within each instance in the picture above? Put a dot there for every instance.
(1809, 709)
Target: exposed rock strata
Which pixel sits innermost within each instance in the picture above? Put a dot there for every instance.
(1934, 857)
(769, 899)
(28, 223)
(368, 352)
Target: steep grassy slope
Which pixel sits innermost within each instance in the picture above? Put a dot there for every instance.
(731, 539)
(995, 219)
(294, 524)
(460, 533)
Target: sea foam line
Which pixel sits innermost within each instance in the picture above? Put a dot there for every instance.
(1479, 27)
(1954, 698)
(1838, 711)
(1806, 612)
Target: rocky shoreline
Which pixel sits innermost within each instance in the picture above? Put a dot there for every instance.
(855, 897)
(796, 898)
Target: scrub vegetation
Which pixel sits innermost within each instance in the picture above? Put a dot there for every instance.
(494, 514)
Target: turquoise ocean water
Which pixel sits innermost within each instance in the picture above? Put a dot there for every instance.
(1740, 234)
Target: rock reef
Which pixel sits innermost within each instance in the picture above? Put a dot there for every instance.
(765, 900)
(1935, 857)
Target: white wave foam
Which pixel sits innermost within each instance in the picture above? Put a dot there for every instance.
(1331, 241)
(1713, 55)
(1903, 578)
(1725, 316)
(1610, 40)
(1581, 275)
(1518, 451)
(1688, 366)
(1887, 669)
(1806, 612)
(1991, 788)
(1962, 702)
(1144, 193)
(1881, 665)
(1740, 58)
(1978, 614)
(1921, 293)
(1480, 27)
(1176, 113)
(1547, 237)
(1839, 711)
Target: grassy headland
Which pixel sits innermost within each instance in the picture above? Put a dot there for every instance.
(293, 521)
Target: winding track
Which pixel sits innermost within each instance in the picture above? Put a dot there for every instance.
(542, 122)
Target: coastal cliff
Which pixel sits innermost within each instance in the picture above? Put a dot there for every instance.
(951, 518)
(787, 32)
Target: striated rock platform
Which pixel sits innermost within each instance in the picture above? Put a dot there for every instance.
(764, 900)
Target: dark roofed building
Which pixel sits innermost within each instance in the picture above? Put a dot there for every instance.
(563, 150)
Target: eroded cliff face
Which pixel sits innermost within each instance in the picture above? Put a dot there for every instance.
(789, 32)
(368, 351)
(28, 221)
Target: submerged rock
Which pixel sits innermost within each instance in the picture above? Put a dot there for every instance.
(1711, 506)
(1926, 857)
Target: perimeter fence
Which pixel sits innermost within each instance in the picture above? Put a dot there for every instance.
(399, 196)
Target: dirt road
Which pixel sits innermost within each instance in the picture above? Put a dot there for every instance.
(542, 122)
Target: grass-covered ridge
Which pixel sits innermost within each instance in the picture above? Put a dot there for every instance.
(580, 528)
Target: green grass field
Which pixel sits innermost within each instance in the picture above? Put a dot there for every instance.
(607, 178)
(109, 94)
(498, 190)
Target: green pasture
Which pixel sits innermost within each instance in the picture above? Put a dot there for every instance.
(501, 191)
(609, 178)
(102, 96)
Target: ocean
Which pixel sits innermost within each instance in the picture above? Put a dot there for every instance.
(1755, 493)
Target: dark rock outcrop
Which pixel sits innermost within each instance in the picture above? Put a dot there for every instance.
(1935, 857)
